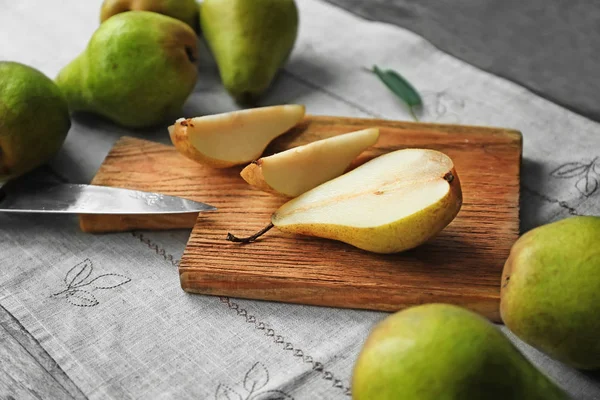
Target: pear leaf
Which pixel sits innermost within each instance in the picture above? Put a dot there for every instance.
(400, 87)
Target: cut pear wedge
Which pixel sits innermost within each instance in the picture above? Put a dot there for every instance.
(390, 204)
(233, 138)
(297, 170)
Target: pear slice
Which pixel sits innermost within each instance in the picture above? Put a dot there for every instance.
(390, 204)
(233, 138)
(297, 170)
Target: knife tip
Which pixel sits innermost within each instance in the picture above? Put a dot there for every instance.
(196, 206)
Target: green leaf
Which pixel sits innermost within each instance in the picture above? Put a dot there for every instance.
(400, 87)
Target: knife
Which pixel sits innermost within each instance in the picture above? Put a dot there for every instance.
(64, 198)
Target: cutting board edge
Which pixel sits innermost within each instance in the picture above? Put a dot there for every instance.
(487, 306)
(511, 133)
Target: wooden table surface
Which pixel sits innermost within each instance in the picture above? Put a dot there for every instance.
(28, 372)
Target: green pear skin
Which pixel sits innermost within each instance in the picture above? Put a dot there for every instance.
(183, 10)
(137, 70)
(550, 294)
(250, 41)
(444, 352)
(34, 119)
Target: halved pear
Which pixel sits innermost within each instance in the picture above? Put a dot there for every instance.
(390, 204)
(297, 170)
(233, 138)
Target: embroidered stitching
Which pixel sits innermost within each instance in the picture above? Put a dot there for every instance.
(588, 174)
(259, 325)
(278, 339)
(442, 105)
(562, 204)
(256, 378)
(77, 278)
(159, 250)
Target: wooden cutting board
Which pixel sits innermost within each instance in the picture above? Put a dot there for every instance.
(462, 265)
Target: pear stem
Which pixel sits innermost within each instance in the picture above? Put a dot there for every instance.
(249, 239)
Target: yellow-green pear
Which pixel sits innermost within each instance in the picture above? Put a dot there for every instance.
(138, 69)
(392, 203)
(250, 41)
(34, 119)
(550, 294)
(183, 10)
(445, 352)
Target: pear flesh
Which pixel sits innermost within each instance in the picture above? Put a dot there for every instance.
(550, 294)
(297, 170)
(233, 138)
(392, 203)
(445, 352)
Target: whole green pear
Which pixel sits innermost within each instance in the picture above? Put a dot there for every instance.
(34, 119)
(250, 41)
(444, 352)
(183, 10)
(138, 69)
(550, 295)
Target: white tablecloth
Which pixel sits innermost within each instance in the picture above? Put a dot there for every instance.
(132, 332)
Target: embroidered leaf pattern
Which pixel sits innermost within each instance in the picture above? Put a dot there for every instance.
(75, 280)
(272, 395)
(256, 378)
(588, 174)
(79, 273)
(587, 185)
(570, 170)
(442, 106)
(109, 281)
(81, 298)
(226, 393)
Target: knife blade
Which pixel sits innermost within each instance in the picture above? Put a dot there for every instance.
(63, 198)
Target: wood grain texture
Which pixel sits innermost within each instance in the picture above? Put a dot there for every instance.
(462, 265)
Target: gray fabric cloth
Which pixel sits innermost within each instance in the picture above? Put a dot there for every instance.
(550, 47)
(109, 308)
